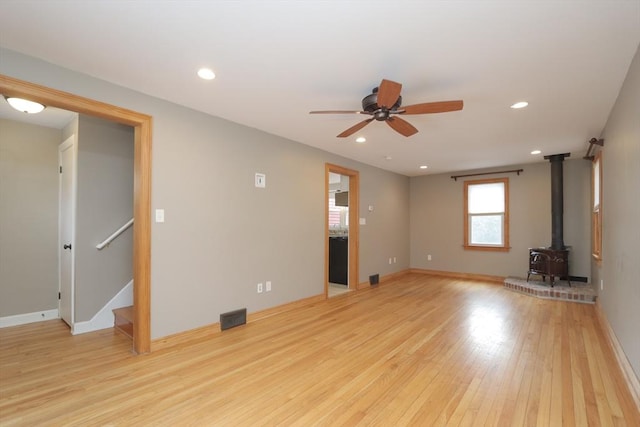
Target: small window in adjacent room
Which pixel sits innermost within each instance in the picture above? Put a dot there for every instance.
(486, 214)
(596, 207)
(338, 215)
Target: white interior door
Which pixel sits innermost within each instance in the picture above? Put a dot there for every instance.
(66, 227)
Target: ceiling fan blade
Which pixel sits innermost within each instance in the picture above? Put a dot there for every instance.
(388, 93)
(401, 126)
(354, 129)
(433, 107)
(338, 112)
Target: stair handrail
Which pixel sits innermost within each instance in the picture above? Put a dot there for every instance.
(115, 234)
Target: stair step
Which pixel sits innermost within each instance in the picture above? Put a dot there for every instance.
(125, 313)
(124, 320)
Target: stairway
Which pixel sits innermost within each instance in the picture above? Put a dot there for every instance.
(124, 320)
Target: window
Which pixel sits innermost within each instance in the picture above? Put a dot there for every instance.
(596, 207)
(486, 214)
(338, 215)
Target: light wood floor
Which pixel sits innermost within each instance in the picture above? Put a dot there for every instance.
(420, 351)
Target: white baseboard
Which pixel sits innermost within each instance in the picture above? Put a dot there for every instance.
(23, 319)
(104, 318)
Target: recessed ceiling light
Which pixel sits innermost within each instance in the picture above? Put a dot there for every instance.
(520, 104)
(24, 105)
(206, 74)
(361, 139)
(536, 152)
(423, 167)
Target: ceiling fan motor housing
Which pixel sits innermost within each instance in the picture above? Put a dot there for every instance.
(370, 105)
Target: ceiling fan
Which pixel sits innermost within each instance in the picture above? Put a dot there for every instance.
(384, 105)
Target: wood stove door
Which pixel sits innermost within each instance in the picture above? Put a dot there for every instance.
(539, 263)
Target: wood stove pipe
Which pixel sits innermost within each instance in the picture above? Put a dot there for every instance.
(557, 198)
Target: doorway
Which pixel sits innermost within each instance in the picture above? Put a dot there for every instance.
(142, 187)
(341, 229)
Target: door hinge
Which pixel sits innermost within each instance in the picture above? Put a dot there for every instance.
(59, 297)
(60, 169)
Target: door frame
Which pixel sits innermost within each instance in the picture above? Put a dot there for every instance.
(71, 141)
(141, 123)
(354, 224)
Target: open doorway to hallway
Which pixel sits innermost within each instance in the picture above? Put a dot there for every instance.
(141, 124)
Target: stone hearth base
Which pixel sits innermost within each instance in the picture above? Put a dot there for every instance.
(577, 292)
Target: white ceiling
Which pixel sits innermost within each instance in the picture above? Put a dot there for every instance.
(277, 60)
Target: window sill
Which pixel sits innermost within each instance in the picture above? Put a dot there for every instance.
(487, 248)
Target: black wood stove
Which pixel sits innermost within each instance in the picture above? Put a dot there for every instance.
(554, 260)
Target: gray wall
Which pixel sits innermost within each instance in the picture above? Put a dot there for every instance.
(620, 268)
(28, 218)
(222, 236)
(386, 233)
(104, 204)
(436, 212)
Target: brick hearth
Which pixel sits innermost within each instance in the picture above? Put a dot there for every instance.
(577, 292)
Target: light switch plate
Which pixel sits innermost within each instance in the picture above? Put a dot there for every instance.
(261, 180)
(363, 221)
(159, 215)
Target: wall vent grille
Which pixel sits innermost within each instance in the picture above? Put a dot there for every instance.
(232, 319)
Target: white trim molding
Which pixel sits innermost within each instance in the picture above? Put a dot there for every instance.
(23, 319)
(104, 319)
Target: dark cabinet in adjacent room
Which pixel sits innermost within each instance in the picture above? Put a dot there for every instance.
(338, 259)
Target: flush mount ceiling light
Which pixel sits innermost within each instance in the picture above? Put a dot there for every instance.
(24, 105)
(206, 74)
(361, 139)
(520, 104)
(423, 167)
(536, 152)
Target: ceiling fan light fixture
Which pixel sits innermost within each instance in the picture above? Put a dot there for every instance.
(361, 140)
(206, 74)
(519, 105)
(534, 152)
(24, 105)
(424, 167)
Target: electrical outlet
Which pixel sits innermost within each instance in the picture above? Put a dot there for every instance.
(259, 288)
(429, 257)
(268, 286)
(394, 260)
(389, 260)
(601, 284)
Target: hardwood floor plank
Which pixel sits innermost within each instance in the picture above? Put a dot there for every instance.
(420, 350)
(543, 416)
